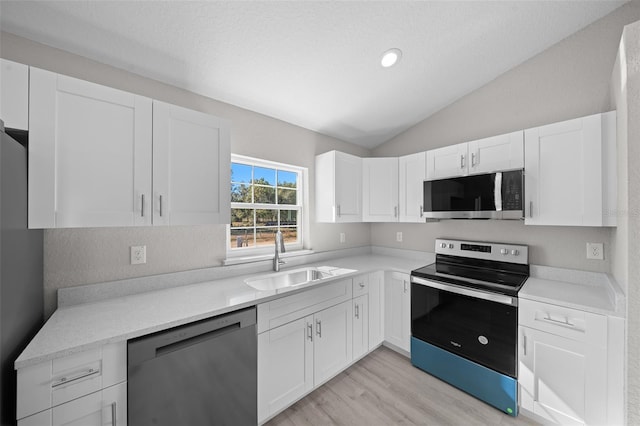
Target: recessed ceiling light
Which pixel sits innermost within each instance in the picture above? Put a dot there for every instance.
(391, 57)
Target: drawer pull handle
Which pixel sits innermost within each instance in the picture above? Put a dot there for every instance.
(564, 323)
(361, 285)
(68, 379)
(113, 414)
(310, 332)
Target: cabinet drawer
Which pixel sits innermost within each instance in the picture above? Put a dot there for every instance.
(281, 311)
(56, 382)
(360, 285)
(566, 322)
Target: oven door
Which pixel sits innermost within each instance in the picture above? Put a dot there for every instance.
(477, 325)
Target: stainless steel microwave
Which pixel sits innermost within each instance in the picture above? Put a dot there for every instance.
(487, 196)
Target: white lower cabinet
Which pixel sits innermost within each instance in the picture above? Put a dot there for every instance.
(397, 310)
(296, 357)
(87, 388)
(332, 343)
(564, 373)
(102, 408)
(285, 365)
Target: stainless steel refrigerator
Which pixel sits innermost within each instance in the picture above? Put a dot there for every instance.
(21, 267)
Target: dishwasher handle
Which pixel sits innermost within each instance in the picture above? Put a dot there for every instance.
(158, 344)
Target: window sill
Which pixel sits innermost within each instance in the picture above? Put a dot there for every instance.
(258, 258)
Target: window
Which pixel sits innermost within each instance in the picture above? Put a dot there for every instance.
(265, 197)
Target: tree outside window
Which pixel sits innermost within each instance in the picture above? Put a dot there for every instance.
(264, 200)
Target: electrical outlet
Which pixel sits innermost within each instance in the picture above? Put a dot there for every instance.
(399, 237)
(343, 237)
(595, 251)
(138, 255)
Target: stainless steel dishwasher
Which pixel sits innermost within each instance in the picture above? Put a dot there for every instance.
(203, 373)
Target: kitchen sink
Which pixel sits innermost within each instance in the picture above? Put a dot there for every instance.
(294, 277)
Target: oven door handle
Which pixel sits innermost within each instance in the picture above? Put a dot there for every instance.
(492, 297)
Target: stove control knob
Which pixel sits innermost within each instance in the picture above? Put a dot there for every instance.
(504, 251)
(443, 245)
(450, 246)
(515, 252)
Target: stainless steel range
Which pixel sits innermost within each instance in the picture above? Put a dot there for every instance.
(464, 318)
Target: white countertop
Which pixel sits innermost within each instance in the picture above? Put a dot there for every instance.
(84, 326)
(89, 325)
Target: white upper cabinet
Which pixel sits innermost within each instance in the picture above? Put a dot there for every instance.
(570, 172)
(100, 157)
(14, 94)
(191, 168)
(447, 162)
(380, 189)
(494, 154)
(338, 187)
(89, 154)
(497, 153)
(412, 171)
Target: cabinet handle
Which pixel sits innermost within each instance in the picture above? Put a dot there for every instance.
(473, 159)
(421, 211)
(404, 282)
(530, 208)
(524, 344)
(395, 211)
(361, 285)
(338, 210)
(564, 323)
(357, 311)
(142, 206)
(462, 161)
(113, 414)
(310, 331)
(68, 379)
(161, 206)
(319, 328)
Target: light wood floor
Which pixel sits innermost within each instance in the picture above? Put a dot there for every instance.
(385, 389)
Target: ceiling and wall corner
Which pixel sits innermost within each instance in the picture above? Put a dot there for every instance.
(315, 64)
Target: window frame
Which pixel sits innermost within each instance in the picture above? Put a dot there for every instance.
(300, 207)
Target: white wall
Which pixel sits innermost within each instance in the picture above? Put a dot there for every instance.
(625, 88)
(82, 256)
(568, 80)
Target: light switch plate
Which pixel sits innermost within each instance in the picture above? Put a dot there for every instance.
(399, 237)
(595, 251)
(343, 237)
(138, 255)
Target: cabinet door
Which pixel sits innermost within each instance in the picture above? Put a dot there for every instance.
(360, 326)
(497, 153)
(285, 365)
(562, 380)
(376, 309)
(89, 154)
(191, 167)
(380, 190)
(348, 188)
(114, 405)
(447, 162)
(564, 173)
(412, 171)
(14, 95)
(397, 307)
(333, 347)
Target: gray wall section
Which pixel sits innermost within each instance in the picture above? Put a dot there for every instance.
(568, 80)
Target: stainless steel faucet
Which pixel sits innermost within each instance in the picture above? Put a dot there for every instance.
(279, 249)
